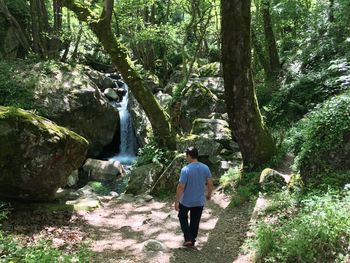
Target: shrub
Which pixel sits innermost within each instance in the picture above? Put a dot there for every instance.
(320, 131)
(320, 232)
(151, 153)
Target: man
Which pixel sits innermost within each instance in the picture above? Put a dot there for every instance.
(190, 195)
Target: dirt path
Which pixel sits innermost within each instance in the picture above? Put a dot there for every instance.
(119, 229)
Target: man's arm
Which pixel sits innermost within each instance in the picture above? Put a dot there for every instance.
(179, 190)
(210, 187)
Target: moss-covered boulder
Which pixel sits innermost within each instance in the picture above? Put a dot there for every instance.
(36, 155)
(197, 101)
(169, 179)
(206, 146)
(101, 171)
(272, 181)
(217, 130)
(321, 140)
(68, 97)
(63, 94)
(143, 178)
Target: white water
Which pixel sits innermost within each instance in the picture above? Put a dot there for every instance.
(127, 149)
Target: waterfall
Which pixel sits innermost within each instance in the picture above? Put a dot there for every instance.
(128, 146)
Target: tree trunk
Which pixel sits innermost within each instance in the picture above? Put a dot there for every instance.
(271, 47)
(331, 11)
(19, 32)
(160, 121)
(254, 140)
(55, 42)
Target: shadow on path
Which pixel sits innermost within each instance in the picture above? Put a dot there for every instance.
(225, 240)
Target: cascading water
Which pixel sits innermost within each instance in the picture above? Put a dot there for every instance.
(128, 146)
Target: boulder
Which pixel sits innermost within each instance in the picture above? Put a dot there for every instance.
(217, 130)
(111, 94)
(142, 178)
(214, 84)
(153, 245)
(205, 146)
(164, 100)
(197, 101)
(70, 99)
(210, 70)
(272, 181)
(331, 160)
(36, 155)
(212, 153)
(140, 121)
(100, 171)
(169, 179)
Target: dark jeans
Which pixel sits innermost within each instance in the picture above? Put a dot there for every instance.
(190, 231)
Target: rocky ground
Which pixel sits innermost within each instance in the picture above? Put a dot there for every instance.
(138, 229)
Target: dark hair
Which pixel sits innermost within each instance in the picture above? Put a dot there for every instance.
(192, 151)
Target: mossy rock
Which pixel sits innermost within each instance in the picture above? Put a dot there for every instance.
(142, 178)
(272, 181)
(197, 101)
(36, 155)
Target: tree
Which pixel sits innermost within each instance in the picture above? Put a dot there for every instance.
(271, 47)
(101, 26)
(254, 140)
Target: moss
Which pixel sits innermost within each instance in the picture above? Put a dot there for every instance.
(42, 123)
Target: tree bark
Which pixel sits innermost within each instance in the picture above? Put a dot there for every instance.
(254, 140)
(271, 47)
(160, 121)
(19, 32)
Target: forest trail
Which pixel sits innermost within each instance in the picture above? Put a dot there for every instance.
(118, 230)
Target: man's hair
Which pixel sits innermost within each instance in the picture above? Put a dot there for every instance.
(192, 151)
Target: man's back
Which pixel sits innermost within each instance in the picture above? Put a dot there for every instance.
(194, 176)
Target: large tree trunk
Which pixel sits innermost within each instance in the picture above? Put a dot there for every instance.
(19, 32)
(254, 140)
(271, 47)
(160, 121)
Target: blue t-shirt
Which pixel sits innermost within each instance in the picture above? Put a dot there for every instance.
(194, 176)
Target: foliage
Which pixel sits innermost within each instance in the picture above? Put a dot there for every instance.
(320, 131)
(294, 100)
(14, 90)
(151, 153)
(241, 185)
(319, 232)
(12, 250)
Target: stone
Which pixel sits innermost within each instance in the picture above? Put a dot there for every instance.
(111, 94)
(272, 181)
(210, 70)
(107, 83)
(169, 179)
(101, 171)
(85, 204)
(142, 125)
(142, 178)
(36, 155)
(217, 130)
(73, 178)
(331, 160)
(153, 245)
(197, 101)
(164, 100)
(205, 146)
(71, 99)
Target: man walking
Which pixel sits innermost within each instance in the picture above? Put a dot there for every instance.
(190, 195)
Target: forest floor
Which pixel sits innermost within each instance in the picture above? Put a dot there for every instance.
(118, 231)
